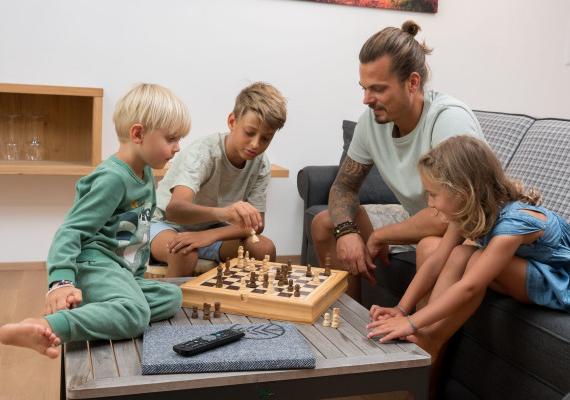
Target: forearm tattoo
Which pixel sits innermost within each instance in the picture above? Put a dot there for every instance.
(343, 196)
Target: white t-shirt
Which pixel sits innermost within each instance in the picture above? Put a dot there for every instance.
(203, 166)
(397, 157)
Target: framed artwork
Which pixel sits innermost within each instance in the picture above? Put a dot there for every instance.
(428, 6)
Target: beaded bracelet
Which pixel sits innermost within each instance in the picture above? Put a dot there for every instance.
(399, 307)
(414, 327)
(345, 228)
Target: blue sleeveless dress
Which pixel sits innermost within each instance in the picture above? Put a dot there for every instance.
(548, 268)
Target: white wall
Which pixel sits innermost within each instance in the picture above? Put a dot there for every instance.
(503, 55)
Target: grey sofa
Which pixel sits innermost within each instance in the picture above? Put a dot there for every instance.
(506, 350)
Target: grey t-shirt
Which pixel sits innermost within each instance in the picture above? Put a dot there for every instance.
(397, 157)
(204, 167)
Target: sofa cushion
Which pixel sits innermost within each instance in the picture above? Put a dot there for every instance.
(542, 161)
(373, 190)
(503, 132)
(531, 338)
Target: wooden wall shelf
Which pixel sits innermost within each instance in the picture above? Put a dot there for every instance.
(71, 138)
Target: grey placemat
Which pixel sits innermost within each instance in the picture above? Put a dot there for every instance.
(264, 346)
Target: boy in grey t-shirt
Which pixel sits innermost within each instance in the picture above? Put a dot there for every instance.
(214, 193)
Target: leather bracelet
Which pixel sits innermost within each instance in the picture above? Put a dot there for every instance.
(345, 228)
(414, 327)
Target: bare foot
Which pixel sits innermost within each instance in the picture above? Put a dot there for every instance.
(32, 333)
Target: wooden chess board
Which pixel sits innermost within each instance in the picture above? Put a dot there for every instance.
(313, 298)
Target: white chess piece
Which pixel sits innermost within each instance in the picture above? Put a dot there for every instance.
(270, 288)
(327, 320)
(316, 279)
(254, 238)
(240, 252)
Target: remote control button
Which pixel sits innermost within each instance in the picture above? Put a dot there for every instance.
(209, 338)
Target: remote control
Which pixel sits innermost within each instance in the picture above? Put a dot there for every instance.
(207, 342)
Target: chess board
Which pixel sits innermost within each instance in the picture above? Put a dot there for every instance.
(313, 299)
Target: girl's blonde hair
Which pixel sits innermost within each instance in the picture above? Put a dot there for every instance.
(154, 107)
(469, 169)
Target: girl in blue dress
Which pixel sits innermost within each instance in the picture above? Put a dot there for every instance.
(497, 237)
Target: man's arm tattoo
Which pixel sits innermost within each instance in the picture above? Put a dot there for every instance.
(343, 197)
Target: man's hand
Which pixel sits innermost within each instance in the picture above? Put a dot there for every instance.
(243, 214)
(376, 249)
(352, 252)
(185, 242)
(63, 298)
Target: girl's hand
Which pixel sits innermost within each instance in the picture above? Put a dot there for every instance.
(64, 298)
(185, 242)
(378, 313)
(392, 328)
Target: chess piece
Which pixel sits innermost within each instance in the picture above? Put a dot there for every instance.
(265, 280)
(316, 279)
(270, 288)
(206, 311)
(289, 266)
(246, 255)
(290, 287)
(252, 278)
(327, 271)
(227, 270)
(220, 269)
(194, 312)
(309, 273)
(266, 263)
(240, 252)
(253, 235)
(297, 292)
(336, 317)
(219, 280)
(217, 309)
(327, 320)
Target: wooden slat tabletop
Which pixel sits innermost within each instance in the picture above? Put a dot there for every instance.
(113, 368)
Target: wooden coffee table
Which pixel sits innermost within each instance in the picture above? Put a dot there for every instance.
(347, 364)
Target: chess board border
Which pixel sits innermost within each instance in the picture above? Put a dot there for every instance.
(307, 309)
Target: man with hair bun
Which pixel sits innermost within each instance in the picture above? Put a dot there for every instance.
(402, 122)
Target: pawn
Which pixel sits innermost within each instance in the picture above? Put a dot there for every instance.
(290, 287)
(194, 312)
(217, 309)
(327, 271)
(309, 273)
(327, 320)
(289, 266)
(246, 255)
(227, 265)
(219, 281)
(240, 252)
(316, 280)
(297, 292)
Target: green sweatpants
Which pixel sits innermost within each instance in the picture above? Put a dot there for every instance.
(116, 304)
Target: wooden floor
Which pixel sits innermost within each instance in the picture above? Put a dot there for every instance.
(24, 374)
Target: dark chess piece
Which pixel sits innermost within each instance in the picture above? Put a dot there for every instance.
(265, 280)
(327, 271)
(309, 274)
(219, 281)
(289, 266)
(206, 311)
(194, 312)
(290, 287)
(217, 309)
(252, 278)
(297, 291)
(227, 264)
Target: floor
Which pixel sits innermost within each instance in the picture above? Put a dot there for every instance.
(24, 374)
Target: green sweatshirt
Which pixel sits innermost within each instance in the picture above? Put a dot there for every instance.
(110, 218)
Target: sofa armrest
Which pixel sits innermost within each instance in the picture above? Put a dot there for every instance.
(314, 183)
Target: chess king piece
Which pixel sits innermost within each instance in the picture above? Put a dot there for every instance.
(327, 320)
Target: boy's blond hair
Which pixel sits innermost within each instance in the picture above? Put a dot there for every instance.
(154, 107)
(265, 101)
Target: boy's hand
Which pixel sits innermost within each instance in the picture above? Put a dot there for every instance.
(63, 298)
(185, 242)
(242, 213)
